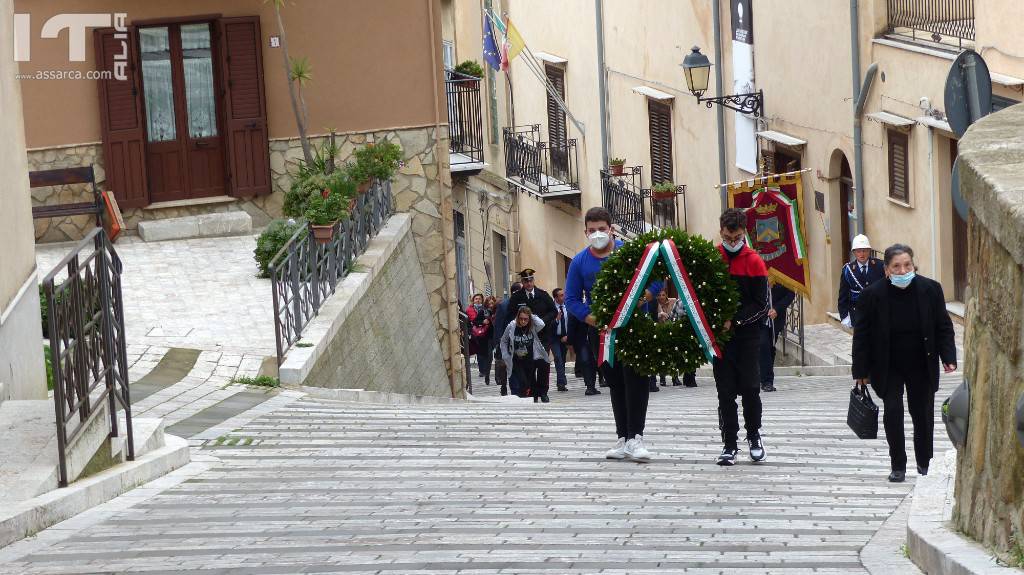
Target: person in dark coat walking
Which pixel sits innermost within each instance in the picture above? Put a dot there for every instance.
(903, 332)
(857, 275)
(586, 361)
(502, 317)
(782, 298)
(560, 338)
(540, 301)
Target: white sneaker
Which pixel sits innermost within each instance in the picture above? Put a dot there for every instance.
(617, 452)
(636, 450)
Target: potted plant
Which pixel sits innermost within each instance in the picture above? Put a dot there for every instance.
(471, 68)
(664, 191)
(359, 173)
(323, 212)
(616, 165)
(378, 161)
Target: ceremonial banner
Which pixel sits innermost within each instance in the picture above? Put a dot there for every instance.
(775, 215)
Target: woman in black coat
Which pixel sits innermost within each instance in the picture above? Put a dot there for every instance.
(902, 332)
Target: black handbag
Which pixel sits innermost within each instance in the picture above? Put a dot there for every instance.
(862, 416)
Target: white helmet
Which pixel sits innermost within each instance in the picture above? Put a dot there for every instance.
(860, 243)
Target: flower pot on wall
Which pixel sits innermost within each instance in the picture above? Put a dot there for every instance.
(617, 169)
(364, 186)
(323, 234)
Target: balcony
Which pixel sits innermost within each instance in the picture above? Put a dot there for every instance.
(940, 23)
(546, 170)
(465, 123)
(636, 210)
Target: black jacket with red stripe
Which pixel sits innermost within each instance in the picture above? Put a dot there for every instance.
(751, 276)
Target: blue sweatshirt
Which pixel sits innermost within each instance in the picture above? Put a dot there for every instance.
(579, 281)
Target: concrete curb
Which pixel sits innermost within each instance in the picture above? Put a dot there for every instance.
(299, 361)
(934, 546)
(25, 518)
(385, 397)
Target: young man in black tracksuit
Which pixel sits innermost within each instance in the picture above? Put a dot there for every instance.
(737, 371)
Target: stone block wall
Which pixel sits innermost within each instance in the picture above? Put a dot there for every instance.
(990, 470)
(387, 342)
(422, 188)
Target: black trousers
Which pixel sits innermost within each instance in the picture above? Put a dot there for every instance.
(921, 404)
(532, 375)
(737, 373)
(630, 393)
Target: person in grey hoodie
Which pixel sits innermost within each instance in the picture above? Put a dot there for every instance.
(522, 348)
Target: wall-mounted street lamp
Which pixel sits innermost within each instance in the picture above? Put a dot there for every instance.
(697, 69)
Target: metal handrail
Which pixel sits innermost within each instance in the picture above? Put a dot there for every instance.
(87, 343)
(932, 20)
(304, 273)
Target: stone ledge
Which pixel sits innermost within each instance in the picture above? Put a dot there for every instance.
(299, 361)
(934, 546)
(28, 517)
(236, 223)
(992, 176)
(383, 397)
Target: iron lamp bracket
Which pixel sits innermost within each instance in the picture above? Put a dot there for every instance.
(750, 103)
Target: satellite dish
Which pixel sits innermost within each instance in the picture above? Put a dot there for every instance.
(958, 199)
(968, 91)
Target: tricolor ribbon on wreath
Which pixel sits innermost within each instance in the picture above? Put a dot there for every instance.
(634, 292)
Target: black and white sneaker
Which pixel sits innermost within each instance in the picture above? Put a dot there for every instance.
(757, 452)
(728, 456)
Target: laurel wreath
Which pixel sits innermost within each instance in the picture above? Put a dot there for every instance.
(672, 347)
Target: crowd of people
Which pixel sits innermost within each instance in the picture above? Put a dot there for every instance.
(901, 336)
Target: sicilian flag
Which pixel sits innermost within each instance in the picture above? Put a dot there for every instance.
(513, 44)
(694, 310)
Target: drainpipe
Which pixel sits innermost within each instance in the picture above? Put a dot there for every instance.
(602, 80)
(859, 98)
(716, 10)
(934, 272)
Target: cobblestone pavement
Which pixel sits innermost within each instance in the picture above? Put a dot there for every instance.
(492, 486)
(197, 293)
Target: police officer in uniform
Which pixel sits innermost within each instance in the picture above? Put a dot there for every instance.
(858, 274)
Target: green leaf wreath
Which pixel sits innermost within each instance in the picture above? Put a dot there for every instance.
(671, 347)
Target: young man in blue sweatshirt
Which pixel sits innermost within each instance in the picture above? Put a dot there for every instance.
(629, 390)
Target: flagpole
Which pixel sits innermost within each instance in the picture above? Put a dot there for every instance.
(762, 179)
(537, 69)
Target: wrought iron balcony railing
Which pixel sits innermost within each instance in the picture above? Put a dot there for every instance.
(635, 209)
(465, 122)
(548, 169)
(940, 21)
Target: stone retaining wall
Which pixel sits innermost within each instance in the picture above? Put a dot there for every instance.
(990, 473)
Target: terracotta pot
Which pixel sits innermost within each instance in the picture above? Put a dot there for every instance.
(352, 205)
(323, 234)
(663, 195)
(617, 170)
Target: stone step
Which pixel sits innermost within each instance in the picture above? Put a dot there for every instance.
(233, 223)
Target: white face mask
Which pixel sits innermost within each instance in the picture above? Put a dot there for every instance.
(733, 248)
(599, 240)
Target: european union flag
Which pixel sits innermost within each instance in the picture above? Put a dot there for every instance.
(491, 54)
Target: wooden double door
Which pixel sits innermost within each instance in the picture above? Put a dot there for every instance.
(189, 118)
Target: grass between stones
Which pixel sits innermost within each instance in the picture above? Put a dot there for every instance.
(258, 381)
